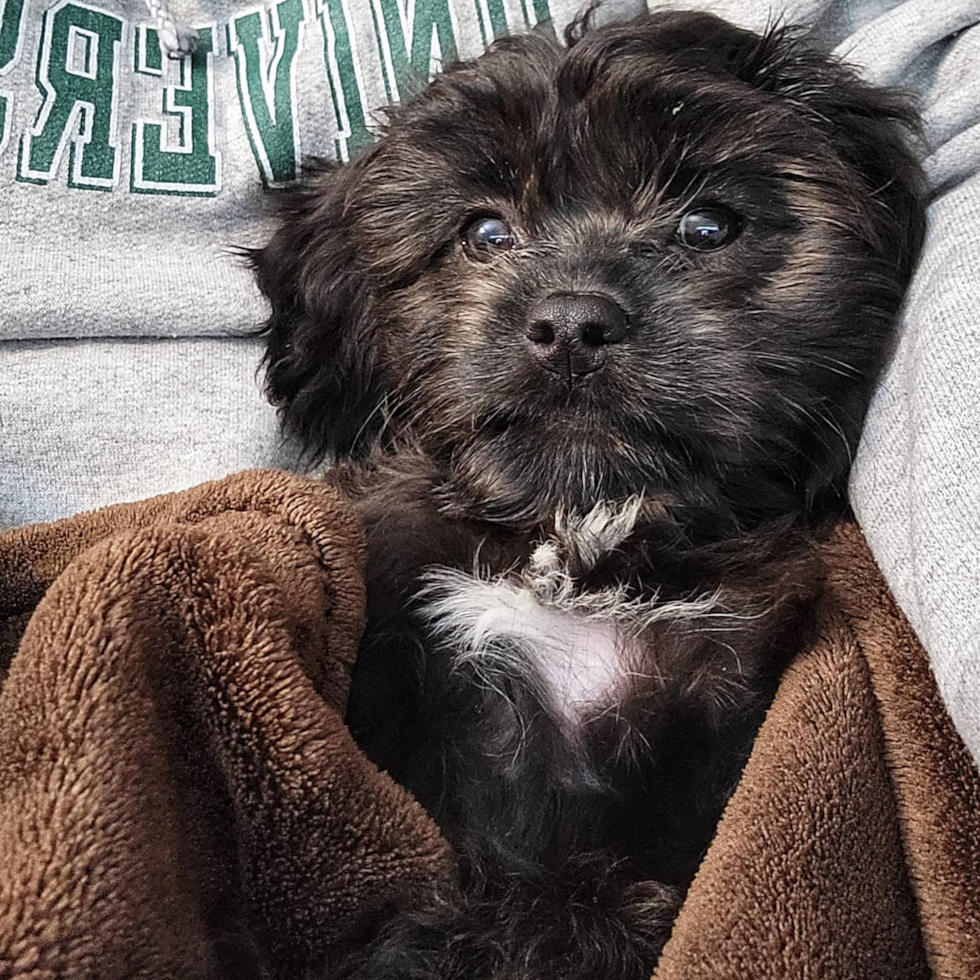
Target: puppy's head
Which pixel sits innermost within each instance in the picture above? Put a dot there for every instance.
(665, 259)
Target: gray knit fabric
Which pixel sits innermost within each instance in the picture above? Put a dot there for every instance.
(125, 176)
(106, 420)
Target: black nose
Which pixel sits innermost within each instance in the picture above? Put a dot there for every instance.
(568, 332)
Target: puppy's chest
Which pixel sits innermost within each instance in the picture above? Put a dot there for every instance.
(580, 652)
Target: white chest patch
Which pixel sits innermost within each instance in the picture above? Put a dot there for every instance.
(577, 650)
(501, 629)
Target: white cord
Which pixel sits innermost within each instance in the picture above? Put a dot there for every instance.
(176, 39)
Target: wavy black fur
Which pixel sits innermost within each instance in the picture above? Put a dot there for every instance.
(734, 405)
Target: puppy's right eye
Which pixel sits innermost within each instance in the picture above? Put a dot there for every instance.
(707, 229)
(486, 236)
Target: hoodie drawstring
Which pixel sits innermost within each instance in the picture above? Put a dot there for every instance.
(177, 40)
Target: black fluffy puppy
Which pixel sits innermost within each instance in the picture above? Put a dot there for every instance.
(594, 329)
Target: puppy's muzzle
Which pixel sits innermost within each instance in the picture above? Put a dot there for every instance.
(569, 333)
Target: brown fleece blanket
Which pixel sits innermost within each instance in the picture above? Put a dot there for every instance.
(175, 772)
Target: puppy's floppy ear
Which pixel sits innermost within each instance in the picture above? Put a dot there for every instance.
(873, 131)
(320, 366)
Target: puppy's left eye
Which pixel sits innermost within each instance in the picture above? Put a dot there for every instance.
(486, 236)
(707, 229)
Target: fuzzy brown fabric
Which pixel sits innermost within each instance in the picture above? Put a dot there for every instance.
(173, 761)
(851, 848)
(174, 770)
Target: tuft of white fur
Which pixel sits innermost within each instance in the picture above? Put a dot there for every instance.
(550, 581)
(601, 530)
(501, 629)
(575, 649)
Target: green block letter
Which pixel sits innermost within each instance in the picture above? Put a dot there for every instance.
(414, 42)
(264, 47)
(78, 58)
(344, 72)
(179, 158)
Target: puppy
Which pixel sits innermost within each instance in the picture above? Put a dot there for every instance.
(591, 330)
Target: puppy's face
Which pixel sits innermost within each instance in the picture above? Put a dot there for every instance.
(664, 260)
